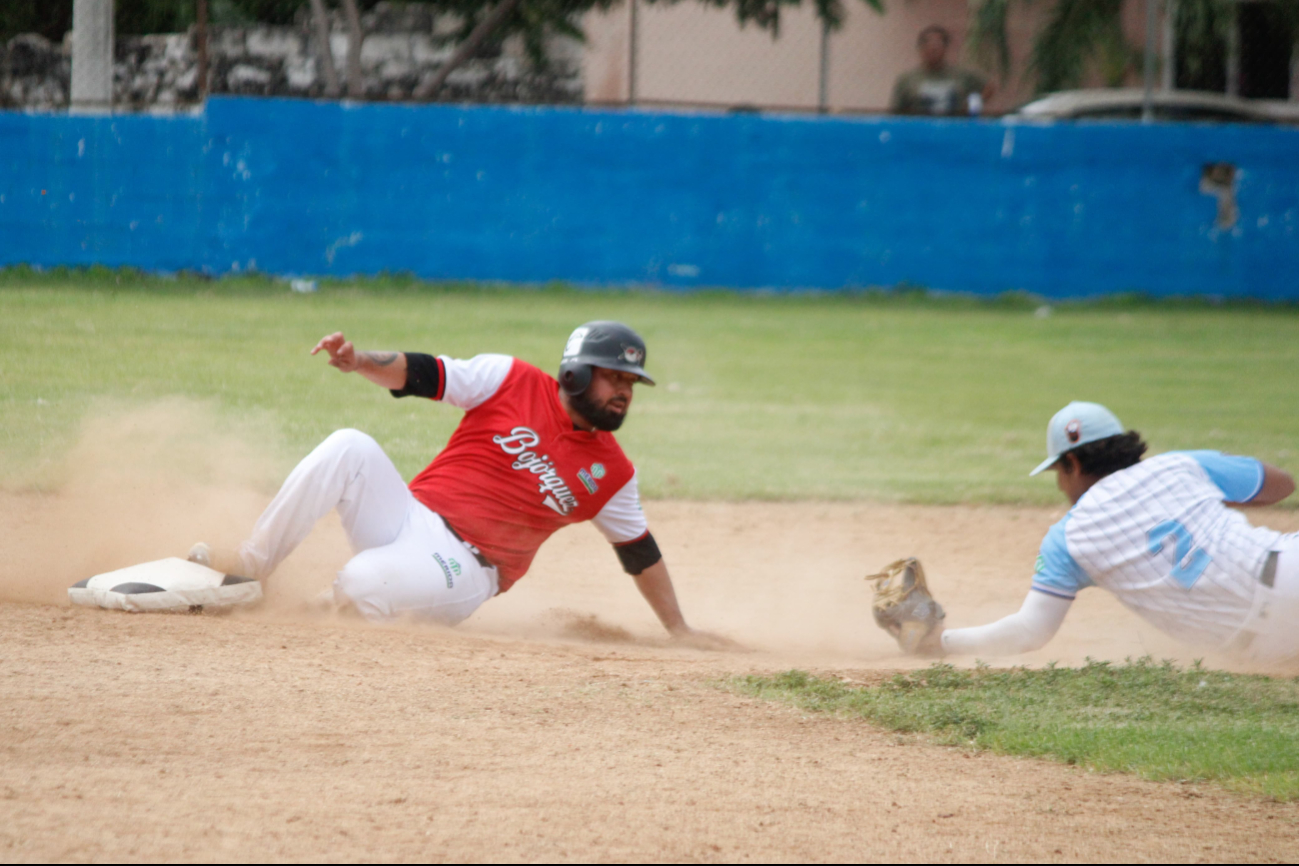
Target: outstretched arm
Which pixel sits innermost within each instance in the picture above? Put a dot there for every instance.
(1029, 629)
(656, 586)
(1277, 485)
(387, 369)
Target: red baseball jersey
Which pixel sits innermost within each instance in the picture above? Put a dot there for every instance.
(516, 470)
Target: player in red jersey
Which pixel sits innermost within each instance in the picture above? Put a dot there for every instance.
(531, 456)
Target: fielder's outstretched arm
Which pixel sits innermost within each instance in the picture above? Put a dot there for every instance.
(386, 369)
(1024, 631)
(1277, 485)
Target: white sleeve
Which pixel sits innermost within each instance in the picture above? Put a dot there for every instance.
(469, 384)
(622, 520)
(1029, 629)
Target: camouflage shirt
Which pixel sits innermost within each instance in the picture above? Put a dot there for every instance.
(945, 92)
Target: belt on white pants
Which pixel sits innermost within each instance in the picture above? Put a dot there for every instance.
(1243, 638)
(478, 554)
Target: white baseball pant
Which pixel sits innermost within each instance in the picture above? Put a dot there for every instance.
(407, 562)
(1270, 636)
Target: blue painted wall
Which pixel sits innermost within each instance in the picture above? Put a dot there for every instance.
(292, 187)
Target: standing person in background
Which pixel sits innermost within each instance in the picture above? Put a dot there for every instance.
(935, 88)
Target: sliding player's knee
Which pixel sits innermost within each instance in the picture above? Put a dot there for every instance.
(353, 444)
(350, 439)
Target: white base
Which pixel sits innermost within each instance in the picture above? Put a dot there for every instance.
(171, 584)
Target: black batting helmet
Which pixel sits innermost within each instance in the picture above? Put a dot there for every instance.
(611, 345)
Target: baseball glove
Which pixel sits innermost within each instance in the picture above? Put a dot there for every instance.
(904, 608)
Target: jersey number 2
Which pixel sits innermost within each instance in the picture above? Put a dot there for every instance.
(1188, 563)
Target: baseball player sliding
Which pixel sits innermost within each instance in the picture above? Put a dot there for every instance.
(1156, 533)
(531, 455)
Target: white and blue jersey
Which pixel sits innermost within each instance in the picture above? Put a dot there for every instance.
(1158, 536)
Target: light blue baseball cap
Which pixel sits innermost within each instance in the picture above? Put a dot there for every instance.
(1074, 425)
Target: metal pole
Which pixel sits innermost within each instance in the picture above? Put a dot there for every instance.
(92, 55)
(823, 85)
(1169, 68)
(631, 52)
(1233, 52)
(200, 35)
(1148, 98)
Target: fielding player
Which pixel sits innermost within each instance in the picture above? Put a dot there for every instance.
(1158, 535)
(530, 456)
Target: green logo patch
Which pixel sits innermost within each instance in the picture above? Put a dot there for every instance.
(446, 569)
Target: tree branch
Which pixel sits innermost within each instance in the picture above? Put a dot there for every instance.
(320, 20)
(355, 86)
(476, 38)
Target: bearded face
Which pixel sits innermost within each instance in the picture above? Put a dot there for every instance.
(605, 414)
(606, 401)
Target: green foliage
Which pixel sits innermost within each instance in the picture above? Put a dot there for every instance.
(765, 14)
(535, 20)
(53, 18)
(898, 396)
(1078, 32)
(152, 16)
(1155, 720)
(49, 18)
(1203, 28)
(988, 39)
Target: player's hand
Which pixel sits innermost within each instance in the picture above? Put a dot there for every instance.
(342, 354)
(705, 640)
(931, 645)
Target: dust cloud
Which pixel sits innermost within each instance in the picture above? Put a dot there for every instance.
(785, 579)
(141, 483)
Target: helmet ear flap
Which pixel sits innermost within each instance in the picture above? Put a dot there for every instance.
(574, 377)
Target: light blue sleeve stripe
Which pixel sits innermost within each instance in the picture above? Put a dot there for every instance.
(1052, 592)
(1057, 573)
(1239, 478)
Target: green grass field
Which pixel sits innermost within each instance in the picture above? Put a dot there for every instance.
(894, 397)
(1158, 721)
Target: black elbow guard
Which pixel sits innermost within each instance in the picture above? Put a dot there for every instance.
(423, 377)
(638, 555)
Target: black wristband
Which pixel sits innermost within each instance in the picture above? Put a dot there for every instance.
(638, 555)
(423, 377)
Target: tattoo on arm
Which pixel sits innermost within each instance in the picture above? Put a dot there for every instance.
(381, 359)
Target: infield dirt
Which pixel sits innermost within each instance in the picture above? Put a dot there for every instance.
(558, 723)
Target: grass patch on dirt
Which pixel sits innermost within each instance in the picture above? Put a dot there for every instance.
(889, 396)
(1156, 720)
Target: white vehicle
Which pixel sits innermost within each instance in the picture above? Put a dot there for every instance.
(1194, 106)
